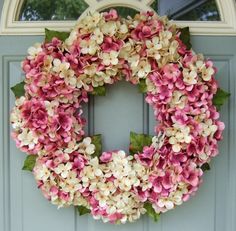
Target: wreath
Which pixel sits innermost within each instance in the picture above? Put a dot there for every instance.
(160, 172)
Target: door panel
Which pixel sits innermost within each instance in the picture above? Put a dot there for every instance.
(23, 208)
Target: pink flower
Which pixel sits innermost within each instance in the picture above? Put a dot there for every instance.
(65, 121)
(115, 217)
(141, 32)
(111, 15)
(180, 117)
(146, 158)
(110, 44)
(35, 114)
(106, 157)
(171, 71)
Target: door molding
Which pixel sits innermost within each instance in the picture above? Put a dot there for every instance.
(10, 11)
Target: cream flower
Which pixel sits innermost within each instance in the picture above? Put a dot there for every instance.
(208, 128)
(207, 73)
(165, 37)
(110, 58)
(88, 47)
(27, 138)
(178, 134)
(189, 76)
(109, 28)
(153, 47)
(97, 36)
(63, 169)
(59, 66)
(34, 51)
(143, 69)
(42, 173)
(178, 100)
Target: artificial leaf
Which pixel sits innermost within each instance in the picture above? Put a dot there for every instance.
(138, 141)
(151, 212)
(142, 86)
(101, 91)
(220, 97)
(29, 163)
(83, 210)
(19, 89)
(50, 34)
(97, 141)
(185, 37)
(205, 167)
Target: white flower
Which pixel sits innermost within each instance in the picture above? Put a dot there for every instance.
(153, 47)
(42, 173)
(73, 36)
(110, 58)
(164, 202)
(86, 146)
(189, 76)
(134, 60)
(50, 106)
(59, 66)
(178, 134)
(109, 28)
(34, 51)
(158, 141)
(207, 73)
(97, 36)
(165, 37)
(178, 100)
(143, 69)
(63, 169)
(208, 128)
(88, 47)
(27, 138)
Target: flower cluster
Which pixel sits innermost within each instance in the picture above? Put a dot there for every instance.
(102, 49)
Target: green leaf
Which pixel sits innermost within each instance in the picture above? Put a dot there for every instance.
(142, 86)
(97, 141)
(220, 97)
(138, 141)
(29, 163)
(205, 167)
(50, 34)
(151, 212)
(185, 37)
(19, 89)
(83, 210)
(101, 91)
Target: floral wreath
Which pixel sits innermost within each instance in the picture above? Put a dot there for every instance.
(162, 171)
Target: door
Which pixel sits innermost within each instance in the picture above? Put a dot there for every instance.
(22, 206)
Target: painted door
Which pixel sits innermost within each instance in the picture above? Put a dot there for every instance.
(22, 206)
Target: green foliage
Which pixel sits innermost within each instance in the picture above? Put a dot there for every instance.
(142, 86)
(29, 163)
(205, 167)
(101, 91)
(35, 10)
(50, 34)
(151, 212)
(138, 142)
(83, 210)
(97, 141)
(220, 97)
(185, 37)
(19, 89)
